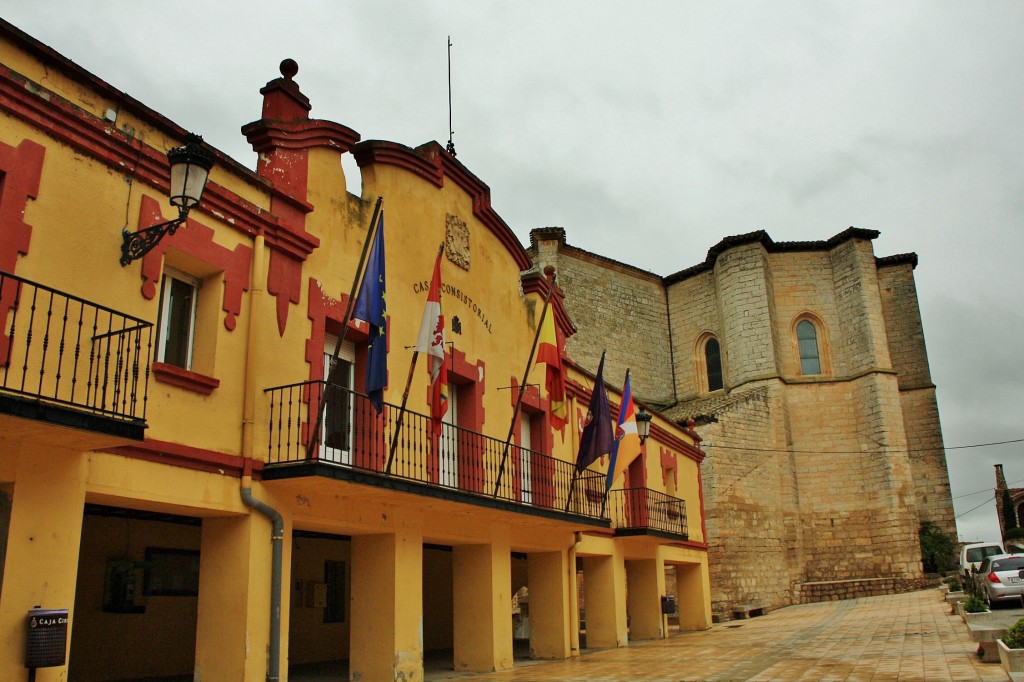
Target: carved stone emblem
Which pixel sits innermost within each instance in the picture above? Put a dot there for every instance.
(457, 241)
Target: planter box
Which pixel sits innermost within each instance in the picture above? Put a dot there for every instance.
(1012, 660)
(980, 617)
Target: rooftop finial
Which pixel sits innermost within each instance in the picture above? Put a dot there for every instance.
(289, 67)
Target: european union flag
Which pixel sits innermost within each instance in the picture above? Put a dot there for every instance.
(371, 308)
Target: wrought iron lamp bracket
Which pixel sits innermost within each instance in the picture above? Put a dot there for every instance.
(135, 245)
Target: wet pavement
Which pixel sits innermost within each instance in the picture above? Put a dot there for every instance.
(891, 637)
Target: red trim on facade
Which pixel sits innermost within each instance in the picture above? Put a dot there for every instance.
(369, 152)
(267, 136)
(21, 169)
(187, 457)
(183, 378)
(668, 463)
(432, 163)
(196, 240)
(284, 279)
(100, 140)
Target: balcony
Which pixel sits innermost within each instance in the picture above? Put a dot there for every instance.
(356, 444)
(642, 511)
(67, 362)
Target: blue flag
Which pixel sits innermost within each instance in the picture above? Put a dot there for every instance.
(371, 308)
(597, 438)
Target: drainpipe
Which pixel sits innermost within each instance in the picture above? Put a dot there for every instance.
(256, 293)
(276, 569)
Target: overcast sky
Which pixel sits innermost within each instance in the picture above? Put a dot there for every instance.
(652, 130)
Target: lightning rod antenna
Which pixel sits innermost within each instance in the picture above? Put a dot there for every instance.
(451, 144)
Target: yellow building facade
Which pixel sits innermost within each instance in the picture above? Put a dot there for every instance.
(177, 473)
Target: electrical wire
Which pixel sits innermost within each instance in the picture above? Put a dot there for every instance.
(856, 452)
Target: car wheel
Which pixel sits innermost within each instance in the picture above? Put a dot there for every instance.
(988, 599)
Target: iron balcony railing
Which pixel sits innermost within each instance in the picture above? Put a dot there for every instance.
(353, 436)
(643, 509)
(60, 349)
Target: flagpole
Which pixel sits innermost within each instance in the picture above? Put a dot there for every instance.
(405, 400)
(322, 408)
(572, 486)
(401, 414)
(550, 272)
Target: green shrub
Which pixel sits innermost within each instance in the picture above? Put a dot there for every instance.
(974, 605)
(1015, 635)
(937, 548)
(954, 584)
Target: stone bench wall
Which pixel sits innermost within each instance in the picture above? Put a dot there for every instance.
(833, 590)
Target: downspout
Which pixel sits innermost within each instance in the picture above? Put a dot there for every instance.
(277, 540)
(248, 425)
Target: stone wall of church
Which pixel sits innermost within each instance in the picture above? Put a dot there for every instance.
(917, 394)
(749, 501)
(616, 308)
(814, 486)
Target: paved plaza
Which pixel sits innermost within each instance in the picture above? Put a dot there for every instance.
(892, 637)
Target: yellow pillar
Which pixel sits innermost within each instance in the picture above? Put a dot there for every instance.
(549, 605)
(483, 606)
(233, 625)
(41, 567)
(604, 598)
(643, 599)
(387, 606)
(691, 589)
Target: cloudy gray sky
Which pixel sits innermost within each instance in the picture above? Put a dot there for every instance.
(652, 130)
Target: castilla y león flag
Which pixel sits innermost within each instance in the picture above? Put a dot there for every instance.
(431, 342)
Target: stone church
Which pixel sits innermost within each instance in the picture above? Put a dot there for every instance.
(803, 368)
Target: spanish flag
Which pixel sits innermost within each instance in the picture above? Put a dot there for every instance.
(549, 351)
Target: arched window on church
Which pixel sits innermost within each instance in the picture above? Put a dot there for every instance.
(709, 364)
(713, 359)
(807, 340)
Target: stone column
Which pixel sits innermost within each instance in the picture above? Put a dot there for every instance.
(483, 606)
(387, 606)
(232, 629)
(604, 595)
(691, 585)
(645, 585)
(550, 606)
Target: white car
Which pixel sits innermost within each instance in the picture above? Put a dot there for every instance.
(972, 555)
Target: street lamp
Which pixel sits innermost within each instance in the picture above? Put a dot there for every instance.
(643, 425)
(190, 168)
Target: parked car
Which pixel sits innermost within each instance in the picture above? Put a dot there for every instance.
(999, 578)
(972, 554)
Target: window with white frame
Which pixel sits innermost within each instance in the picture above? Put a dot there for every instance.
(176, 323)
(337, 428)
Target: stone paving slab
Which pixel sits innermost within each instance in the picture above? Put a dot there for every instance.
(891, 637)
